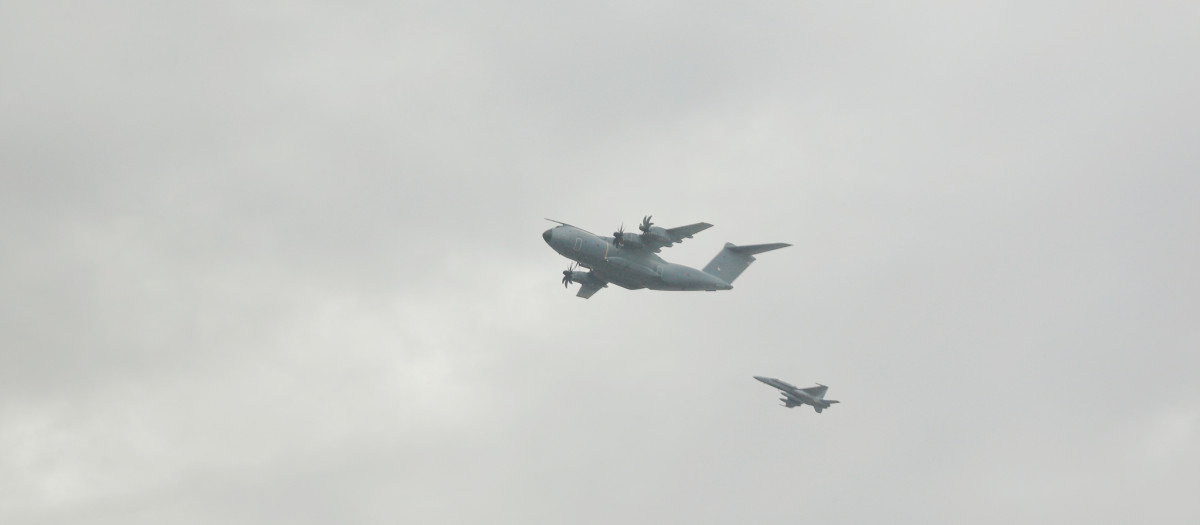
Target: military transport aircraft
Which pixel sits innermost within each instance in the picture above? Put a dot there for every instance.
(793, 396)
(628, 260)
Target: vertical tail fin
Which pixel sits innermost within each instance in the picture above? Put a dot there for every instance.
(733, 260)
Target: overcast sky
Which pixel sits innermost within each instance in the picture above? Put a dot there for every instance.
(281, 262)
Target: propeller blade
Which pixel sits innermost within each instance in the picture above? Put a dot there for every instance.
(569, 275)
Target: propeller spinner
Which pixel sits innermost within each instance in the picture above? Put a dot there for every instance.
(619, 236)
(569, 275)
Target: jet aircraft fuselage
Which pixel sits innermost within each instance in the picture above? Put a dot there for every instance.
(794, 396)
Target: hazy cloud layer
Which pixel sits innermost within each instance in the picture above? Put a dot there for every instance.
(282, 262)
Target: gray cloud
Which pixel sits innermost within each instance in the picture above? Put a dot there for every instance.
(282, 262)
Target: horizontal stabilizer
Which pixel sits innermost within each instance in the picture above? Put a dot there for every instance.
(733, 259)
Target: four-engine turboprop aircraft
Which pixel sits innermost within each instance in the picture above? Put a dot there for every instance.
(628, 260)
(793, 396)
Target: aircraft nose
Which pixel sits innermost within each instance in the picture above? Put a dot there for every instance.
(548, 234)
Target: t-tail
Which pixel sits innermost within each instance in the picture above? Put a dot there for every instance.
(733, 260)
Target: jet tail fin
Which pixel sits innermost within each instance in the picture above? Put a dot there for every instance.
(733, 260)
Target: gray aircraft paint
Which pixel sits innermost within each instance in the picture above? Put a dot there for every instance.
(634, 265)
(794, 396)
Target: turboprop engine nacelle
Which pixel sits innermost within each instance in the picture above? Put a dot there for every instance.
(658, 236)
(632, 240)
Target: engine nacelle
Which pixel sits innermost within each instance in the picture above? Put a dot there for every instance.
(658, 236)
(632, 240)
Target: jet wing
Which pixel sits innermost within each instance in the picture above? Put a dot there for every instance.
(816, 391)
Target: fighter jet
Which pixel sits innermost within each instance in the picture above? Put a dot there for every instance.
(793, 396)
(629, 260)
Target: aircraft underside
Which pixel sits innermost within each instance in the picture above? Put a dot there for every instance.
(617, 278)
(794, 397)
(635, 278)
(629, 260)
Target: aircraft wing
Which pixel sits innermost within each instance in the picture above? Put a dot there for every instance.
(686, 232)
(816, 391)
(683, 232)
(588, 288)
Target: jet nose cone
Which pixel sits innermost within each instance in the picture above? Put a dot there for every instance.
(548, 234)
(761, 378)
